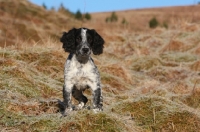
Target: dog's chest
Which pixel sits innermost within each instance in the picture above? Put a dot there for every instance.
(81, 75)
(81, 70)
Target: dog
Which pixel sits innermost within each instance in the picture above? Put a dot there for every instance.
(80, 72)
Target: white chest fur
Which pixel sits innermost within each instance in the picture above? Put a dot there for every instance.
(80, 75)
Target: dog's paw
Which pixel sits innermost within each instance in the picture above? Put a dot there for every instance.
(80, 106)
(67, 112)
(96, 110)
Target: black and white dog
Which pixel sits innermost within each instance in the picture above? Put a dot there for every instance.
(80, 71)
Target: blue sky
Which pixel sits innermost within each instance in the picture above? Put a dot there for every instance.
(111, 5)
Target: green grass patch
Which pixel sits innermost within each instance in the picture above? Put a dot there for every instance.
(193, 100)
(155, 114)
(90, 122)
(8, 119)
(17, 80)
(22, 122)
(145, 63)
(179, 57)
(113, 81)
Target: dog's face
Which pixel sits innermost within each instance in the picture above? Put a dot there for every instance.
(82, 42)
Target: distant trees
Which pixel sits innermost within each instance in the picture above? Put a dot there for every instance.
(52, 8)
(44, 6)
(112, 18)
(80, 16)
(165, 25)
(124, 22)
(61, 7)
(153, 23)
(88, 16)
(64, 10)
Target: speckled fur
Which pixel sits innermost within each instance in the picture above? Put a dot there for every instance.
(80, 72)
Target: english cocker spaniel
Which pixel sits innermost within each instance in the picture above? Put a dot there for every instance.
(80, 72)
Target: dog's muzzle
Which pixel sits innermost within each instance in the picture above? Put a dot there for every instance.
(85, 50)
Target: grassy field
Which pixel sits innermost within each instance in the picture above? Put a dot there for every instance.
(150, 78)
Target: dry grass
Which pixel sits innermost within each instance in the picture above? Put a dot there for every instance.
(150, 79)
(157, 114)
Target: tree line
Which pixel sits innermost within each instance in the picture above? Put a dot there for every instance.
(153, 23)
(78, 15)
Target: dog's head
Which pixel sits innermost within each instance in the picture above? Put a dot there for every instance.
(82, 42)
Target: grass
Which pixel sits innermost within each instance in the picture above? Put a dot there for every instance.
(145, 91)
(91, 122)
(145, 63)
(156, 114)
(179, 57)
(79, 121)
(193, 99)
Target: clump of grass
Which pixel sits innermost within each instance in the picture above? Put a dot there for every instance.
(8, 119)
(181, 121)
(193, 99)
(41, 123)
(178, 46)
(195, 66)
(179, 57)
(25, 80)
(20, 121)
(143, 111)
(113, 82)
(91, 122)
(145, 63)
(118, 71)
(163, 74)
(174, 45)
(7, 62)
(28, 57)
(34, 108)
(21, 82)
(47, 92)
(45, 62)
(156, 114)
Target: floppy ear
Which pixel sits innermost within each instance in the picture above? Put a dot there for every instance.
(68, 40)
(97, 46)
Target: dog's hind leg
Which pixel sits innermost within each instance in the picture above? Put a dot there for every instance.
(78, 95)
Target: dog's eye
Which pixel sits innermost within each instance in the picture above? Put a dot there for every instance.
(89, 39)
(78, 39)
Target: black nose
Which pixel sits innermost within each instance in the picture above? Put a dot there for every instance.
(85, 50)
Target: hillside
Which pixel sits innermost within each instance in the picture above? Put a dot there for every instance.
(150, 77)
(138, 20)
(22, 21)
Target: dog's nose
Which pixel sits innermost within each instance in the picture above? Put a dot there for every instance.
(85, 50)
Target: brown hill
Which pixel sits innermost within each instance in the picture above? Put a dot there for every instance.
(24, 21)
(174, 17)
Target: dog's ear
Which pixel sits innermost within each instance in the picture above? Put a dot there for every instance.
(68, 40)
(97, 46)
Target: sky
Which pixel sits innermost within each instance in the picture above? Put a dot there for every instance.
(110, 5)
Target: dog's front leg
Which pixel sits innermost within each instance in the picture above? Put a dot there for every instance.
(97, 100)
(67, 92)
